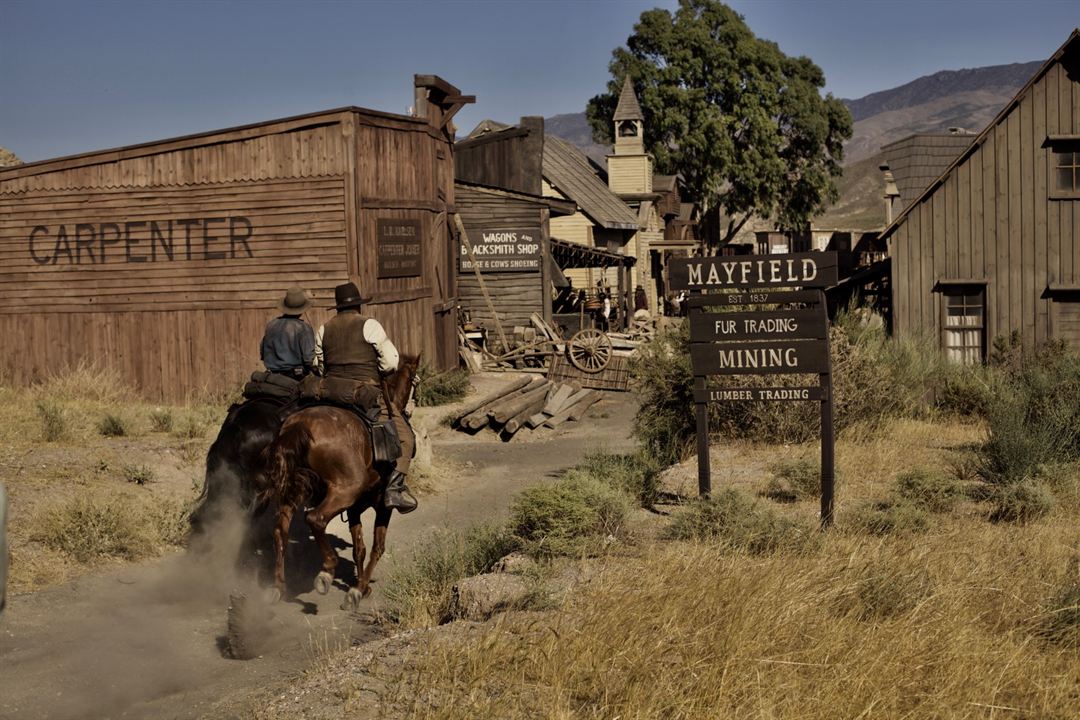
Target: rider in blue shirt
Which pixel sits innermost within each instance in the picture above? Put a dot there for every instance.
(288, 345)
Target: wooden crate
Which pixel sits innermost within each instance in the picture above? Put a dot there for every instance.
(616, 376)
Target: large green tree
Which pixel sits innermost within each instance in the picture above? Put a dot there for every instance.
(743, 124)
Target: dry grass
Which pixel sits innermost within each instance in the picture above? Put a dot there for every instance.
(66, 478)
(965, 619)
(946, 627)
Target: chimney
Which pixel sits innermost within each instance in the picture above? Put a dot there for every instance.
(891, 192)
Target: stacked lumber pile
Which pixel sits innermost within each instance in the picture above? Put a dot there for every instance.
(529, 402)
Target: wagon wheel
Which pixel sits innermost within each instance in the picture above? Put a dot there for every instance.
(589, 350)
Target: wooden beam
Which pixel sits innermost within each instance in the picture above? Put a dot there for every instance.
(480, 280)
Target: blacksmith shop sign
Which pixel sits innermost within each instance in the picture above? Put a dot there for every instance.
(503, 251)
(790, 338)
(399, 247)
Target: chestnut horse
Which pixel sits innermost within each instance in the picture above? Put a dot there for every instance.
(324, 454)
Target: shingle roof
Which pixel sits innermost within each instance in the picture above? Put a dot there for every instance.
(628, 108)
(569, 171)
(663, 183)
(918, 160)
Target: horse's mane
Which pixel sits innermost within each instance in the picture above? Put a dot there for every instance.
(400, 381)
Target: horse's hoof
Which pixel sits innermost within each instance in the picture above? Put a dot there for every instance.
(352, 599)
(272, 595)
(322, 582)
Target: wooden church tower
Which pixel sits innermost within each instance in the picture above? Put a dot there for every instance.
(629, 166)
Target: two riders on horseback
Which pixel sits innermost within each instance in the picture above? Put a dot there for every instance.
(352, 346)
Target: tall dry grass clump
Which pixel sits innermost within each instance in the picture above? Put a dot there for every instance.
(952, 626)
(89, 528)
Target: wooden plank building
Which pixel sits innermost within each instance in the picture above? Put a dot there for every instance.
(510, 219)
(165, 260)
(992, 246)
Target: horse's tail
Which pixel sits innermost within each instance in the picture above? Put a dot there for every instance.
(288, 478)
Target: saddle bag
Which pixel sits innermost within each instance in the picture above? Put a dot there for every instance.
(267, 384)
(385, 441)
(340, 391)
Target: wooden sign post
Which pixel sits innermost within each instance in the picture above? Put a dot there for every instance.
(741, 337)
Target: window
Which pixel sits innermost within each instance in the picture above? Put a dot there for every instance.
(1067, 168)
(963, 334)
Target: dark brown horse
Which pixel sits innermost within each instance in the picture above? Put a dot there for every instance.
(324, 454)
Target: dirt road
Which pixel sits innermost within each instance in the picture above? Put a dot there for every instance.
(146, 640)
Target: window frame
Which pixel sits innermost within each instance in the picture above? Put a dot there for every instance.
(951, 290)
(1059, 146)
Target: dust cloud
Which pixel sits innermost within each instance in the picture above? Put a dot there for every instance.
(151, 640)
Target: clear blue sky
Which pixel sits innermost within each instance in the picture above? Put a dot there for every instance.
(81, 76)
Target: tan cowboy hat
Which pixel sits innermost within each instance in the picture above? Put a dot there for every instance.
(295, 302)
(348, 295)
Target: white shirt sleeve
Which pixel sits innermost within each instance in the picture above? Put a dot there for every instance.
(388, 354)
(318, 347)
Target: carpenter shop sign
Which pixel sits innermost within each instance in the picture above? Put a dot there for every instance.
(158, 240)
(398, 245)
(503, 251)
(806, 270)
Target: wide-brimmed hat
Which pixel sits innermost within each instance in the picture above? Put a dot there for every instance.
(347, 296)
(295, 302)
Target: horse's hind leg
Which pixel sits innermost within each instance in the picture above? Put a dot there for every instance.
(281, 539)
(336, 501)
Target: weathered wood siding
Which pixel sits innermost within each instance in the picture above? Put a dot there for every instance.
(285, 203)
(515, 295)
(511, 159)
(993, 219)
(629, 173)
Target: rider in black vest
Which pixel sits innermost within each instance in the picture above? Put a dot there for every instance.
(355, 346)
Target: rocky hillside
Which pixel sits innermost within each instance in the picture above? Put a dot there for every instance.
(934, 103)
(8, 158)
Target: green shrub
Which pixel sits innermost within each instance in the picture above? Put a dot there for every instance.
(87, 528)
(1021, 502)
(794, 480)
(54, 424)
(571, 516)
(419, 593)
(635, 474)
(138, 474)
(875, 379)
(1034, 417)
(112, 426)
(738, 522)
(440, 388)
(889, 517)
(161, 420)
(966, 390)
(928, 490)
(664, 424)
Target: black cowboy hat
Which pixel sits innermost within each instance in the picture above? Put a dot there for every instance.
(348, 296)
(295, 302)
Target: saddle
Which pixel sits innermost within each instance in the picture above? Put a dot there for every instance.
(360, 398)
(266, 384)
